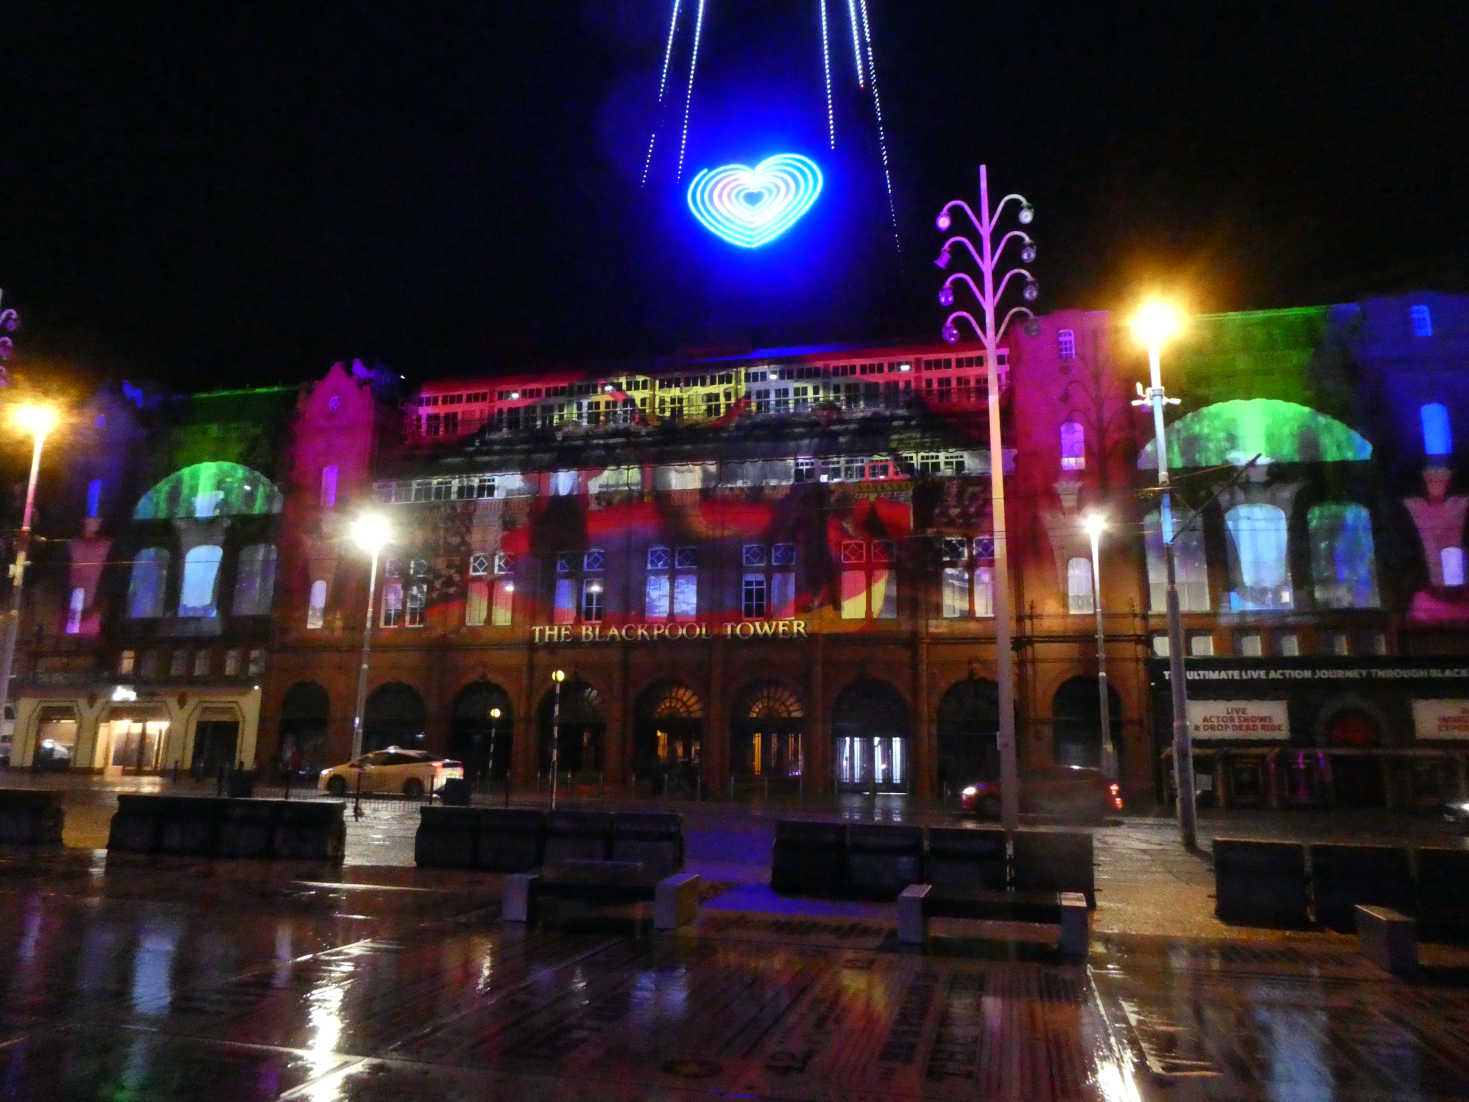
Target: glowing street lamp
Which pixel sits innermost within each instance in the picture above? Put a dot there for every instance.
(1155, 323)
(370, 532)
(38, 420)
(557, 676)
(490, 765)
(1095, 524)
(987, 258)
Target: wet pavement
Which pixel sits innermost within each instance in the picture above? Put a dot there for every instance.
(149, 978)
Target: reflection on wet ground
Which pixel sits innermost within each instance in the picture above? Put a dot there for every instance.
(157, 979)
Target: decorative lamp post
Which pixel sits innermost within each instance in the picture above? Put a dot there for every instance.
(988, 295)
(370, 532)
(1095, 524)
(37, 420)
(557, 676)
(1155, 323)
(490, 765)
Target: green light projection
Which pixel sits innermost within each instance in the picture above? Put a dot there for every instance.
(1280, 432)
(211, 489)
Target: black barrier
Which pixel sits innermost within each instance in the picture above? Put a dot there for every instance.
(201, 826)
(29, 817)
(960, 858)
(882, 860)
(578, 836)
(1260, 883)
(455, 792)
(1054, 861)
(510, 839)
(808, 858)
(1344, 875)
(653, 838)
(447, 837)
(188, 825)
(246, 829)
(1443, 892)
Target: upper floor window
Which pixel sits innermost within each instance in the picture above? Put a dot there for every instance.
(1343, 566)
(1438, 438)
(1066, 343)
(1451, 559)
(1258, 532)
(94, 497)
(1079, 596)
(1191, 568)
(768, 585)
(329, 486)
(1073, 446)
(392, 604)
(969, 577)
(74, 609)
(145, 587)
(316, 605)
(869, 582)
(1422, 320)
(254, 580)
(201, 575)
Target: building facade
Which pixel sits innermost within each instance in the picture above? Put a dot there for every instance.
(774, 570)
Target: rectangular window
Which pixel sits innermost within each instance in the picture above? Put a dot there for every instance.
(476, 604)
(805, 468)
(1287, 644)
(1079, 585)
(201, 663)
(1066, 343)
(659, 558)
(392, 604)
(1200, 644)
(257, 661)
(752, 554)
(479, 564)
(1160, 645)
(329, 486)
(485, 486)
(565, 603)
(591, 600)
(656, 596)
(1248, 644)
(234, 659)
(443, 489)
(854, 594)
(74, 609)
(685, 596)
(502, 610)
(178, 664)
(783, 554)
(753, 597)
(1338, 642)
(594, 561)
(125, 662)
(686, 558)
(503, 562)
(417, 598)
(254, 580)
(984, 591)
(316, 605)
(955, 593)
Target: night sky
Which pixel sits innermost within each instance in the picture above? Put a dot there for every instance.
(219, 195)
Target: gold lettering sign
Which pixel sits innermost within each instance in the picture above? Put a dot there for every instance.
(653, 633)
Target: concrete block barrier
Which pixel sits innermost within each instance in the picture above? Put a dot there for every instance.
(1260, 883)
(1443, 892)
(1343, 876)
(578, 836)
(134, 826)
(245, 829)
(447, 837)
(653, 838)
(188, 826)
(882, 860)
(509, 839)
(309, 830)
(1055, 861)
(808, 858)
(960, 858)
(29, 817)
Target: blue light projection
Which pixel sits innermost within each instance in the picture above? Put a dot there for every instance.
(750, 207)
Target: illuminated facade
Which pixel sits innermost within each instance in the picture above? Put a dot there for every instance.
(774, 570)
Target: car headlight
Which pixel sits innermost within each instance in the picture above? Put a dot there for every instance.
(970, 790)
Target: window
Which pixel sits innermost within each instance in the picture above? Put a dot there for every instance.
(1451, 559)
(657, 596)
(125, 662)
(392, 604)
(1160, 645)
(417, 594)
(479, 564)
(1191, 569)
(1337, 642)
(201, 573)
(752, 554)
(178, 664)
(145, 587)
(1259, 535)
(1079, 585)
(233, 660)
(1288, 644)
(1438, 438)
(74, 608)
(1343, 566)
(1421, 320)
(1200, 644)
(476, 604)
(316, 605)
(753, 594)
(254, 580)
(968, 584)
(1373, 642)
(869, 589)
(329, 486)
(257, 661)
(1073, 446)
(955, 593)
(418, 568)
(201, 663)
(591, 600)
(94, 497)
(1066, 343)
(1248, 644)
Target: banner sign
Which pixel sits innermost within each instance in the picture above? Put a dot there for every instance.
(1441, 719)
(653, 633)
(1348, 674)
(1238, 719)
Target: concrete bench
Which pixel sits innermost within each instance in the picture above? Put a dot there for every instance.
(675, 898)
(1388, 938)
(30, 817)
(1067, 911)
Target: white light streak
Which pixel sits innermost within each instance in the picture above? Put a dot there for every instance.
(668, 51)
(689, 99)
(856, 45)
(648, 160)
(882, 141)
(831, 119)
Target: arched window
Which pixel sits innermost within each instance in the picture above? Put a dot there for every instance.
(94, 497)
(201, 573)
(1191, 569)
(329, 486)
(1073, 446)
(1343, 567)
(145, 587)
(1452, 561)
(1079, 585)
(254, 580)
(1438, 438)
(1259, 535)
(316, 604)
(74, 609)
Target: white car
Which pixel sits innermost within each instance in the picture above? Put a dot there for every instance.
(411, 772)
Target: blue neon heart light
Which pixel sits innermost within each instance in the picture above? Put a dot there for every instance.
(750, 207)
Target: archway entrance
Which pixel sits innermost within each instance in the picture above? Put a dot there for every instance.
(394, 716)
(767, 733)
(582, 729)
(870, 730)
(478, 739)
(1356, 773)
(668, 736)
(305, 711)
(968, 730)
(1076, 723)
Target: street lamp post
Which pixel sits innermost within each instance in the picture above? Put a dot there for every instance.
(490, 765)
(38, 421)
(369, 532)
(1095, 524)
(1154, 324)
(557, 676)
(990, 335)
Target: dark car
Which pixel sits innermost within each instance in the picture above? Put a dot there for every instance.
(1063, 791)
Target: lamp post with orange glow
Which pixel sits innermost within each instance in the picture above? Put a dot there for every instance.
(558, 676)
(1155, 323)
(37, 420)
